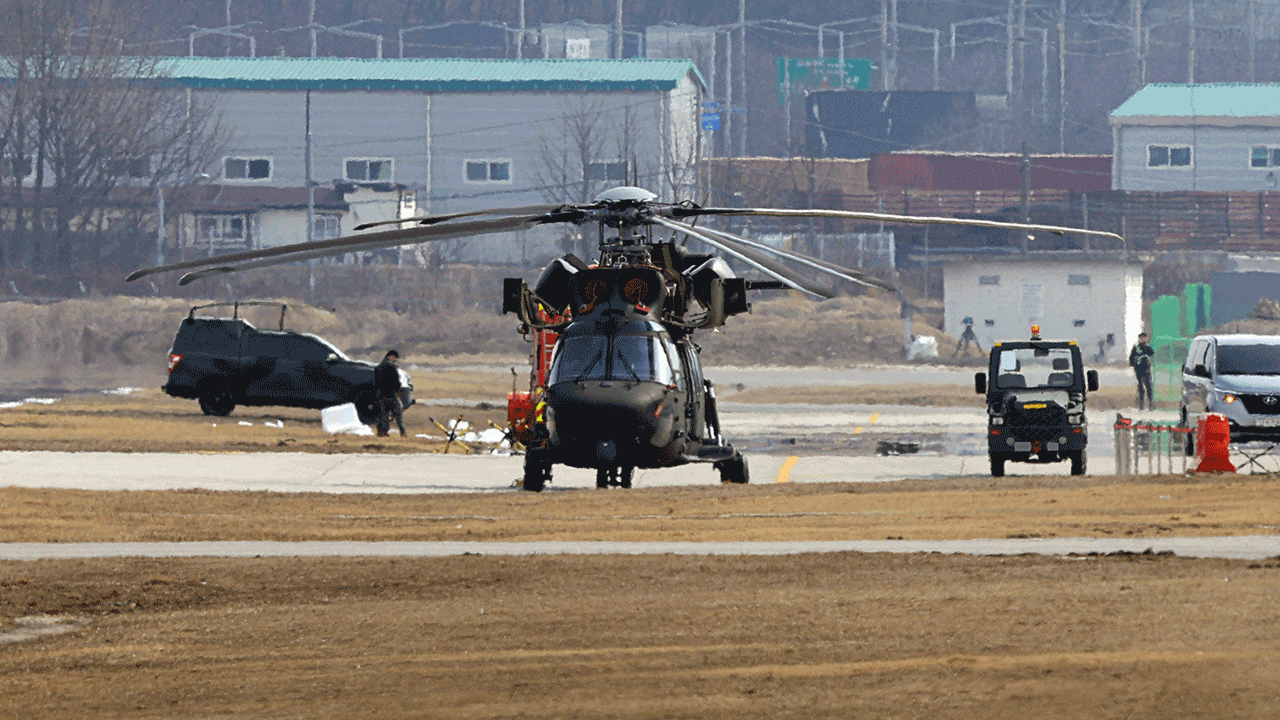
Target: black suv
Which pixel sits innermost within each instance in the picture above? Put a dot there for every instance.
(1035, 403)
(224, 362)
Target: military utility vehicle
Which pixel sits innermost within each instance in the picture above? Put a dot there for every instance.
(1035, 402)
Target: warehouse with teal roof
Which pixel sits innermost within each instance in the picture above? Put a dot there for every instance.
(443, 135)
(1198, 137)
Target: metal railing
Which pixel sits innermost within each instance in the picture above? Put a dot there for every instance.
(1149, 442)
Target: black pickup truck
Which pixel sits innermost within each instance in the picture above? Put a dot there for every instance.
(224, 362)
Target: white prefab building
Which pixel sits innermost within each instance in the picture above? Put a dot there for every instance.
(1096, 301)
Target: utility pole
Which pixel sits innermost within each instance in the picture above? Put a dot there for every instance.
(520, 33)
(1008, 55)
(1135, 24)
(1022, 46)
(1062, 76)
(617, 31)
(886, 76)
(893, 43)
(1251, 34)
(1026, 193)
(742, 74)
(1191, 41)
(311, 203)
(311, 24)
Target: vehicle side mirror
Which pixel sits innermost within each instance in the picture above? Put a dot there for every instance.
(980, 383)
(1200, 371)
(333, 358)
(1091, 380)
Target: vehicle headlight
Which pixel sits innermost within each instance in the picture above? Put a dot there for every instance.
(1226, 397)
(997, 420)
(1074, 419)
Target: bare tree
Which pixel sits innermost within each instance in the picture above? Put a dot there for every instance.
(90, 135)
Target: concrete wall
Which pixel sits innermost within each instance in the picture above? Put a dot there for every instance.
(1220, 158)
(1017, 294)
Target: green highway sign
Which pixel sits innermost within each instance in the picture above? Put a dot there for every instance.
(798, 75)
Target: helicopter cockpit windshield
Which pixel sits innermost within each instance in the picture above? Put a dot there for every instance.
(648, 358)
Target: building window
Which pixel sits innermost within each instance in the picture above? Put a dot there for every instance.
(239, 168)
(1078, 280)
(608, 171)
(222, 232)
(326, 226)
(1263, 156)
(988, 279)
(136, 168)
(1168, 156)
(368, 169)
(14, 166)
(488, 171)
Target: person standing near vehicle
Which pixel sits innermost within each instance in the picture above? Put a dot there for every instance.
(386, 386)
(1140, 359)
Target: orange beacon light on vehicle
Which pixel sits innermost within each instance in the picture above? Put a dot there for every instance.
(1035, 332)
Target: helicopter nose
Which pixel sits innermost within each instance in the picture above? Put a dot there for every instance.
(607, 421)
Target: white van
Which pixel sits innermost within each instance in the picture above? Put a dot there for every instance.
(1238, 376)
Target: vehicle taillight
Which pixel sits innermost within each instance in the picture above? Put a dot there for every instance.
(174, 359)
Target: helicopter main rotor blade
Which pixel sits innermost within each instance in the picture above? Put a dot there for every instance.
(435, 219)
(681, 212)
(751, 257)
(351, 243)
(822, 266)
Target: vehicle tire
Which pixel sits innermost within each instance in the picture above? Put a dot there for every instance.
(997, 464)
(1190, 446)
(536, 473)
(366, 406)
(734, 471)
(1079, 462)
(624, 477)
(602, 478)
(217, 399)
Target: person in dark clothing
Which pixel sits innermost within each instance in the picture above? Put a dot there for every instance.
(386, 387)
(1140, 359)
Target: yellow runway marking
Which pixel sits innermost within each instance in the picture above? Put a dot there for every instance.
(784, 473)
(874, 417)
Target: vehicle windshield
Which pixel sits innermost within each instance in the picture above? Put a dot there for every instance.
(1248, 359)
(619, 357)
(1035, 368)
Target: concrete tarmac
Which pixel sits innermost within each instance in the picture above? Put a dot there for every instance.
(1251, 547)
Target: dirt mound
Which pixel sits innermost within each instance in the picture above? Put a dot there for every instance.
(795, 331)
(120, 340)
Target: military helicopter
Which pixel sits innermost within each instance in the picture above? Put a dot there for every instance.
(615, 380)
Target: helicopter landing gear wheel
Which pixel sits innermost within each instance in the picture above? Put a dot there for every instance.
(615, 477)
(734, 471)
(537, 471)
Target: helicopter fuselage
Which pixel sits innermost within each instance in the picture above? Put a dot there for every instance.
(624, 388)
